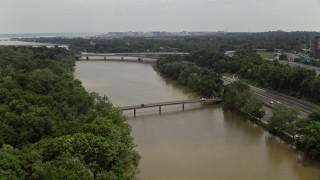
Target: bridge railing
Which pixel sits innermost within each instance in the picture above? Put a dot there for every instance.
(130, 54)
(140, 106)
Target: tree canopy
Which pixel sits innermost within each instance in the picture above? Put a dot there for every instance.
(51, 128)
(202, 80)
(247, 64)
(305, 131)
(237, 97)
(220, 41)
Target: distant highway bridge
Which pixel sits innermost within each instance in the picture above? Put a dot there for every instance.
(139, 56)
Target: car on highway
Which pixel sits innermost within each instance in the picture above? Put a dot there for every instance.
(271, 102)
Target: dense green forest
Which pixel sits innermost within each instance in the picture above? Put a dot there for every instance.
(205, 81)
(51, 128)
(219, 41)
(305, 131)
(238, 98)
(247, 64)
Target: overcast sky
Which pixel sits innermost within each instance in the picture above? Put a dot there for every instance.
(38, 16)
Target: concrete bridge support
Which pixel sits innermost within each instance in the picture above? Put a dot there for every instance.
(105, 58)
(159, 109)
(87, 58)
(182, 106)
(122, 58)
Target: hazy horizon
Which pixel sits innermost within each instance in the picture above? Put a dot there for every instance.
(102, 16)
(37, 33)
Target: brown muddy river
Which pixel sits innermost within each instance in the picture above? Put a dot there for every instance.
(201, 142)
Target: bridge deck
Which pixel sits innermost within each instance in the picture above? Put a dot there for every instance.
(140, 106)
(140, 54)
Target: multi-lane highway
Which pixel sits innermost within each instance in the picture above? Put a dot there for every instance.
(295, 64)
(272, 98)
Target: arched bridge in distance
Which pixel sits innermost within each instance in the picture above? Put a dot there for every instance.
(139, 56)
(169, 103)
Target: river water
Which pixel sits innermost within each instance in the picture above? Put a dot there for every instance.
(200, 142)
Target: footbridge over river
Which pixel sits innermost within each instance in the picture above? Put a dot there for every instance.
(123, 56)
(169, 103)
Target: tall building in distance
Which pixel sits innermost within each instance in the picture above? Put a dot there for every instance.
(315, 46)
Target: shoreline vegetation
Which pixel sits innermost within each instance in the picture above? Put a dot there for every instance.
(284, 122)
(50, 127)
(204, 81)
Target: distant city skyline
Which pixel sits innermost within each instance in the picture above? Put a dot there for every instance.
(58, 16)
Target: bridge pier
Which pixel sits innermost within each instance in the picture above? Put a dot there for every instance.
(122, 58)
(134, 112)
(105, 58)
(182, 106)
(87, 58)
(140, 59)
(159, 109)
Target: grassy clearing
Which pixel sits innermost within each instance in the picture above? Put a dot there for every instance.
(229, 75)
(265, 54)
